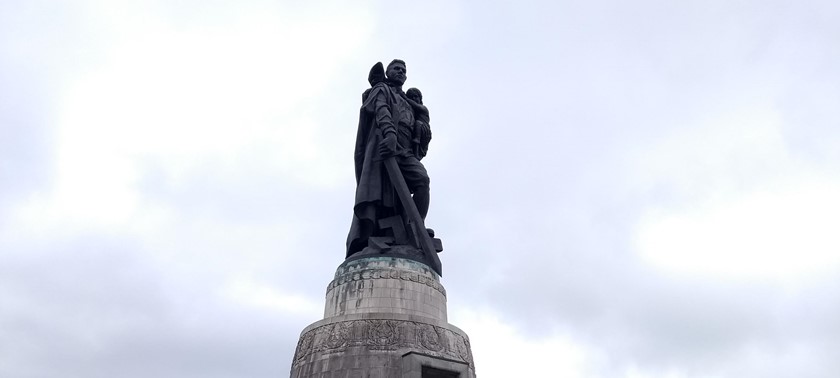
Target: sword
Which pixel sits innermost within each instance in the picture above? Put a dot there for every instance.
(414, 219)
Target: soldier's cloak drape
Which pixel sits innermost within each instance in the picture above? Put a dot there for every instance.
(374, 192)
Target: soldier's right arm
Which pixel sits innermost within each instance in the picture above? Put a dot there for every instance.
(382, 113)
(385, 123)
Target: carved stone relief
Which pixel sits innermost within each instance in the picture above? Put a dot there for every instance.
(382, 334)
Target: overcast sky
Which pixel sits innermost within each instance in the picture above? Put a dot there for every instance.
(624, 189)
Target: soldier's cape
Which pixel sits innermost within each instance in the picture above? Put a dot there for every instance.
(374, 192)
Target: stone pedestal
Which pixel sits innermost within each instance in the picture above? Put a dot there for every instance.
(385, 317)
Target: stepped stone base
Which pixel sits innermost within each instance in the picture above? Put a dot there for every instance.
(384, 317)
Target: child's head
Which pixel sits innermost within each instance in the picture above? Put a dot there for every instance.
(414, 95)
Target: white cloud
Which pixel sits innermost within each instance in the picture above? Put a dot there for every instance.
(500, 351)
(246, 291)
(207, 142)
(742, 205)
(712, 157)
(183, 95)
(783, 232)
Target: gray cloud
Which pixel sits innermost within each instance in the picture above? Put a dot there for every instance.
(94, 307)
(543, 115)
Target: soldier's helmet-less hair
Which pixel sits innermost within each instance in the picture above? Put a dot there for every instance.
(395, 61)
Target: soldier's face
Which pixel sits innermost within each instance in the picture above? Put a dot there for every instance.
(397, 72)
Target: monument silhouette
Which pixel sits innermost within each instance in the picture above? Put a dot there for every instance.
(385, 312)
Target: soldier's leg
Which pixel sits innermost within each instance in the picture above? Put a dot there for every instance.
(421, 199)
(418, 182)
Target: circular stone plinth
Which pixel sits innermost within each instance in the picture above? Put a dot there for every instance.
(386, 285)
(385, 316)
(378, 345)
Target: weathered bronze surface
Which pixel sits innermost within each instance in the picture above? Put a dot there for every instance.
(392, 185)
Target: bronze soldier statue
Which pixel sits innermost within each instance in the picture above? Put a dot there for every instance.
(393, 136)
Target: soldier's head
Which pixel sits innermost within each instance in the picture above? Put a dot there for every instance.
(415, 95)
(396, 71)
